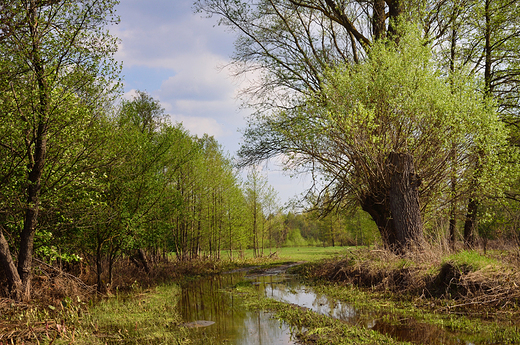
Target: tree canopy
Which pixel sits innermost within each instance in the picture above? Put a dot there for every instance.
(398, 102)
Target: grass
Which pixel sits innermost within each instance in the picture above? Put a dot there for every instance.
(150, 316)
(294, 254)
(473, 261)
(393, 310)
(311, 253)
(145, 317)
(485, 307)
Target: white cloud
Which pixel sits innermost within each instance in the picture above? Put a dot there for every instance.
(198, 77)
(200, 125)
(174, 55)
(154, 33)
(130, 95)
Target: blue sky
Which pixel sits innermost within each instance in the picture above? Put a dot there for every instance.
(179, 57)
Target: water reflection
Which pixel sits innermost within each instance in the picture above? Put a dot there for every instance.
(203, 300)
(287, 289)
(290, 291)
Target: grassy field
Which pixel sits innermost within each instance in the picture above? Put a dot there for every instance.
(297, 253)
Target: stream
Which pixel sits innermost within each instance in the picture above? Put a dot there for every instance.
(205, 299)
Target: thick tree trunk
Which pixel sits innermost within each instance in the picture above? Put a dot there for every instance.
(395, 209)
(404, 201)
(376, 205)
(13, 278)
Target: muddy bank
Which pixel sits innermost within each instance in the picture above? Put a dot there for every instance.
(462, 282)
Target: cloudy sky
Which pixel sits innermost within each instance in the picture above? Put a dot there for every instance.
(179, 57)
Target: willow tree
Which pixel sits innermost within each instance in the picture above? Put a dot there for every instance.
(55, 55)
(288, 44)
(381, 132)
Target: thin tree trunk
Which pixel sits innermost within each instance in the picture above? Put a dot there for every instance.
(379, 19)
(37, 161)
(142, 257)
(394, 12)
(453, 201)
(99, 267)
(332, 230)
(6, 261)
(230, 236)
(452, 224)
(255, 245)
(470, 226)
(471, 223)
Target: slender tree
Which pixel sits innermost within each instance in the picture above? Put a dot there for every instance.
(52, 52)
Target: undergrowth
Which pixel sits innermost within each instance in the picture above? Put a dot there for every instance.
(466, 282)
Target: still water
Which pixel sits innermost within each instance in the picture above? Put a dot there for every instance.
(206, 299)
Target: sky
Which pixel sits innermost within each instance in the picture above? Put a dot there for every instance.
(180, 57)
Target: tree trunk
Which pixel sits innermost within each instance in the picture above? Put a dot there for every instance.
(6, 261)
(376, 205)
(255, 254)
(453, 201)
(99, 268)
(404, 201)
(31, 218)
(379, 20)
(36, 160)
(142, 257)
(470, 225)
(394, 12)
(395, 209)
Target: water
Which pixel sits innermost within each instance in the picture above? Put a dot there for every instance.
(289, 290)
(205, 300)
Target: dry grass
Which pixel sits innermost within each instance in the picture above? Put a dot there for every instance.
(59, 297)
(459, 281)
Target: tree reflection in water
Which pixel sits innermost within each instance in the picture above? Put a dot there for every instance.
(203, 300)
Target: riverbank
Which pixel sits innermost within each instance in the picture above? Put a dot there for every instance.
(467, 282)
(467, 295)
(63, 301)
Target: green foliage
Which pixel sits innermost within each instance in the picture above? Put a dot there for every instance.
(295, 239)
(397, 101)
(261, 201)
